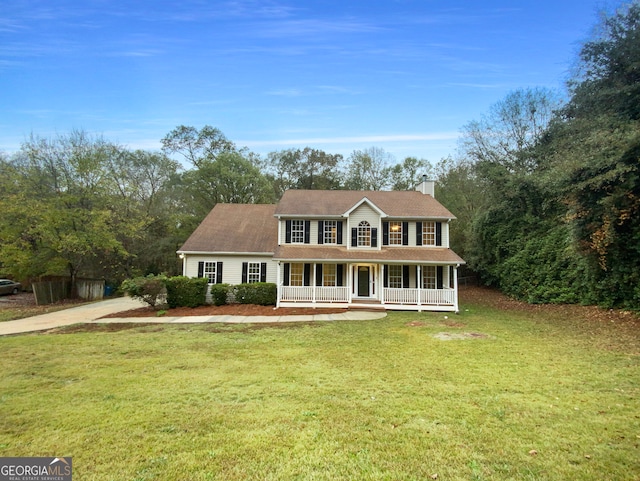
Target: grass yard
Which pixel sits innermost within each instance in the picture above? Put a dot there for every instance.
(524, 394)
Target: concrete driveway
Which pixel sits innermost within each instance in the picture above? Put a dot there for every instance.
(73, 315)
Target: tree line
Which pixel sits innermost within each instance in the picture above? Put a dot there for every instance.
(546, 189)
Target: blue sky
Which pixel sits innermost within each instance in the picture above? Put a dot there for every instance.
(401, 75)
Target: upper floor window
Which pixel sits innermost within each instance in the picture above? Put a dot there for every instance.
(364, 234)
(395, 233)
(428, 233)
(330, 235)
(297, 231)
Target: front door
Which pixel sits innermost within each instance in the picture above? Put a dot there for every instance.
(363, 281)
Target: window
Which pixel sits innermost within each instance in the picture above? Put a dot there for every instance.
(428, 233)
(210, 272)
(296, 275)
(329, 275)
(330, 231)
(297, 231)
(395, 276)
(253, 274)
(364, 234)
(395, 233)
(428, 277)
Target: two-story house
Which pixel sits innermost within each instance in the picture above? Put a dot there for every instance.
(334, 249)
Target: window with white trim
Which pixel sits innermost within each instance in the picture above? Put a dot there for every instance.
(395, 276)
(297, 232)
(395, 233)
(209, 272)
(428, 277)
(364, 234)
(296, 275)
(329, 275)
(429, 233)
(330, 232)
(253, 272)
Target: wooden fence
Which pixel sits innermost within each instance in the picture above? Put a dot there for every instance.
(49, 292)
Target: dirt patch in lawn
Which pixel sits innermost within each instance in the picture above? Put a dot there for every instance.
(453, 336)
(228, 310)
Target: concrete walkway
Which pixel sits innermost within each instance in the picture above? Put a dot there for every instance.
(91, 313)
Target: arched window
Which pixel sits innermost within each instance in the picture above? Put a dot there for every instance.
(364, 234)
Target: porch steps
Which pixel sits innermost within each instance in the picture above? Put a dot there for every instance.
(366, 305)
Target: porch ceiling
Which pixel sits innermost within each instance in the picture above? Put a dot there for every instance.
(426, 255)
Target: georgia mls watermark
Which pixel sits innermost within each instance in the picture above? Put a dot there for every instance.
(35, 469)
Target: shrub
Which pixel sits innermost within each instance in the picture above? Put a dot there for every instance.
(261, 293)
(150, 289)
(219, 294)
(186, 292)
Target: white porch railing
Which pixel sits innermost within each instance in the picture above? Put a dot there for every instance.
(428, 297)
(322, 294)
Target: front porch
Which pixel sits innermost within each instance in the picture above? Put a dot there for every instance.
(421, 287)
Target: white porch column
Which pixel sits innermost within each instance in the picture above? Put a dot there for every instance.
(455, 289)
(313, 284)
(418, 283)
(278, 284)
(349, 281)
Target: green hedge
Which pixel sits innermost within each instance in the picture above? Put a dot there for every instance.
(219, 293)
(261, 293)
(150, 289)
(186, 292)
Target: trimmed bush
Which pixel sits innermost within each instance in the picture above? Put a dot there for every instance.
(186, 292)
(150, 289)
(261, 293)
(219, 294)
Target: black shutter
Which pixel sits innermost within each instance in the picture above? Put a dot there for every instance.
(318, 274)
(306, 275)
(219, 273)
(439, 276)
(386, 275)
(287, 268)
(307, 231)
(418, 233)
(201, 269)
(245, 269)
(288, 232)
(320, 232)
(405, 276)
(263, 272)
(339, 232)
(339, 274)
(438, 233)
(385, 233)
(374, 237)
(354, 237)
(405, 233)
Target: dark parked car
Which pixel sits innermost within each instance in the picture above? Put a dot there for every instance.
(9, 287)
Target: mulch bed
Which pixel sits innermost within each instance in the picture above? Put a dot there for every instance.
(230, 310)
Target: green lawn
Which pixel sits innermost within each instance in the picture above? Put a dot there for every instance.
(531, 395)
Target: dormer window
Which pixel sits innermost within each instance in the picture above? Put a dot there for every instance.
(364, 234)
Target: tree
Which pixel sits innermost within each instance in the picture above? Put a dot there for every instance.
(368, 169)
(195, 145)
(304, 169)
(504, 137)
(408, 174)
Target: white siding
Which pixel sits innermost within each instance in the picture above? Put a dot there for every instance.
(231, 266)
